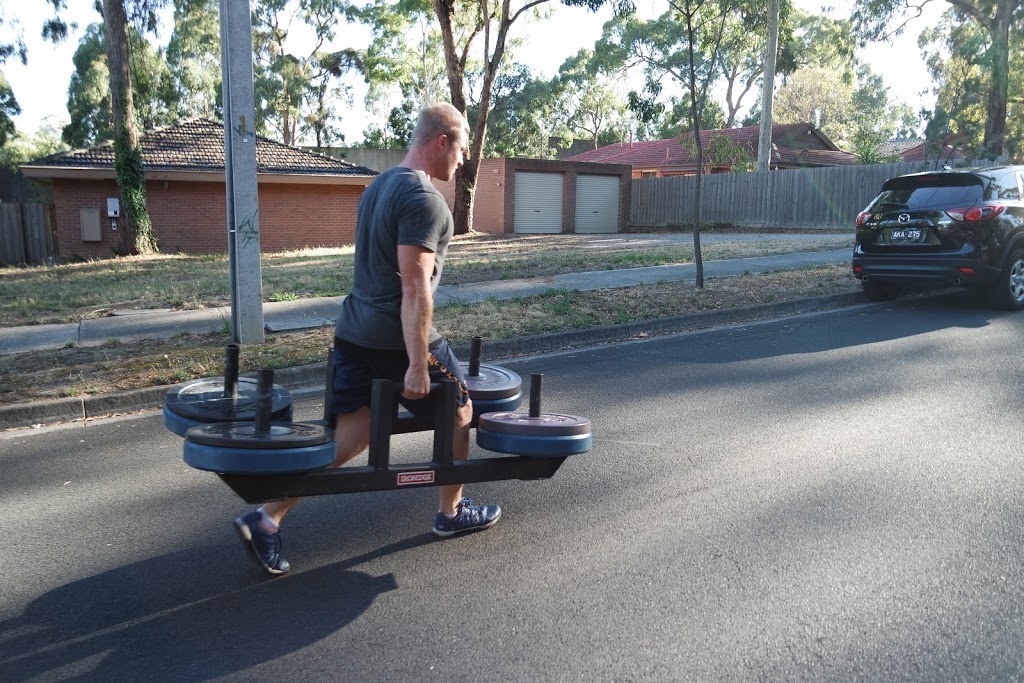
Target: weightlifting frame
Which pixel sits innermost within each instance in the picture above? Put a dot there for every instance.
(379, 474)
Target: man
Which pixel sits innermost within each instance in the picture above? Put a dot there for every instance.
(386, 330)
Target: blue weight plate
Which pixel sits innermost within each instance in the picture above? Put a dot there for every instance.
(179, 425)
(492, 382)
(203, 401)
(500, 405)
(525, 444)
(255, 461)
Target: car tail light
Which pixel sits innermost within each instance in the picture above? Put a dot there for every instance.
(969, 272)
(974, 214)
(863, 217)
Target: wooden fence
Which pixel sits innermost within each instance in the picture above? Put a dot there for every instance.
(800, 198)
(26, 234)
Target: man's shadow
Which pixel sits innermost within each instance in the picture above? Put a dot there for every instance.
(176, 616)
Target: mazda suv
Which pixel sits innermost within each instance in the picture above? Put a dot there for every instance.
(963, 228)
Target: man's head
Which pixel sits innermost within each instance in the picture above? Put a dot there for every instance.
(442, 135)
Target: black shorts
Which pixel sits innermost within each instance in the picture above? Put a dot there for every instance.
(355, 368)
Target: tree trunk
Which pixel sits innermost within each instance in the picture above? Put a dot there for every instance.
(138, 235)
(995, 124)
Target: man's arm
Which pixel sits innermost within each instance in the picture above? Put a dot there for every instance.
(416, 265)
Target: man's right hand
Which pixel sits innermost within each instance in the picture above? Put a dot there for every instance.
(417, 383)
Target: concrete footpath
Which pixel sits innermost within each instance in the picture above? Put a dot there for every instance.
(311, 313)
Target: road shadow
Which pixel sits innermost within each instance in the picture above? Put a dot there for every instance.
(175, 617)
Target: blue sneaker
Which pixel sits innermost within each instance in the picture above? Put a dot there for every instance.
(264, 547)
(468, 517)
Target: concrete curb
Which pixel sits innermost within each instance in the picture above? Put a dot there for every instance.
(310, 378)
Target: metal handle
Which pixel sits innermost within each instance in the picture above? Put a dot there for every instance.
(535, 385)
(474, 356)
(231, 371)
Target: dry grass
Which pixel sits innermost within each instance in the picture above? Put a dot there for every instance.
(77, 371)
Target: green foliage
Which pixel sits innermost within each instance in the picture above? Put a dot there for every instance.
(21, 149)
(191, 84)
(294, 91)
(89, 106)
(131, 182)
(397, 132)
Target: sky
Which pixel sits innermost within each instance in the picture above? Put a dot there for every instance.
(41, 87)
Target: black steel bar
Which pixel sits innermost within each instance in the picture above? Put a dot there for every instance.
(329, 388)
(382, 413)
(536, 381)
(265, 488)
(444, 423)
(231, 371)
(474, 355)
(264, 400)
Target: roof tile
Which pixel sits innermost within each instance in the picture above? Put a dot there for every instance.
(198, 145)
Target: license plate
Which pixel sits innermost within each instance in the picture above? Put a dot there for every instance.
(906, 235)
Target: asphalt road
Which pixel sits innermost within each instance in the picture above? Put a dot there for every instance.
(831, 497)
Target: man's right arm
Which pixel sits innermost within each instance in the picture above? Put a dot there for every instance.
(416, 265)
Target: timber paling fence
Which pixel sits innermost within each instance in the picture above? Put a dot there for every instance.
(799, 198)
(26, 234)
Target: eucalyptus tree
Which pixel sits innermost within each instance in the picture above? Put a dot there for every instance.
(588, 100)
(958, 61)
(131, 181)
(882, 19)
(478, 24)
(12, 44)
(293, 87)
(191, 85)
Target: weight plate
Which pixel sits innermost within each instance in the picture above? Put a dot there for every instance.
(254, 461)
(525, 444)
(546, 424)
(498, 405)
(493, 382)
(179, 425)
(203, 401)
(281, 436)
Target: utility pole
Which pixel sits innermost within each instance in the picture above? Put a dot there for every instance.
(243, 215)
(764, 145)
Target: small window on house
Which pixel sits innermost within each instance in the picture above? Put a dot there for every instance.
(648, 174)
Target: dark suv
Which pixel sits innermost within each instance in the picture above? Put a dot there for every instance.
(963, 228)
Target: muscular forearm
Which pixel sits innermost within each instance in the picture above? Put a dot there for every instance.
(417, 314)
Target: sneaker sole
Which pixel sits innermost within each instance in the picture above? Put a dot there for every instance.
(446, 534)
(245, 533)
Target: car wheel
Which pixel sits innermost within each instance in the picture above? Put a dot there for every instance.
(1008, 291)
(880, 292)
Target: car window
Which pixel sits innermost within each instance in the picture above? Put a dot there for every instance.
(929, 192)
(1007, 187)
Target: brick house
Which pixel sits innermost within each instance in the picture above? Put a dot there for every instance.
(305, 199)
(796, 145)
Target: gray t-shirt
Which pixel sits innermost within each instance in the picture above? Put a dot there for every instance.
(400, 206)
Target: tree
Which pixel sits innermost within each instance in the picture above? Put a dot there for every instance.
(873, 20)
(589, 102)
(957, 60)
(523, 109)
(191, 83)
(21, 149)
(89, 104)
(491, 23)
(684, 44)
(11, 46)
(293, 89)
(131, 181)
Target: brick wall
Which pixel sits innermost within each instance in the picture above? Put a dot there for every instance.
(489, 199)
(191, 217)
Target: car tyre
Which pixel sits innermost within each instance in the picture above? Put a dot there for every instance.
(880, 292)
(1008, 291)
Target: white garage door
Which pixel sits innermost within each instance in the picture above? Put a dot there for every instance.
(597, 203)
(538, 202)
